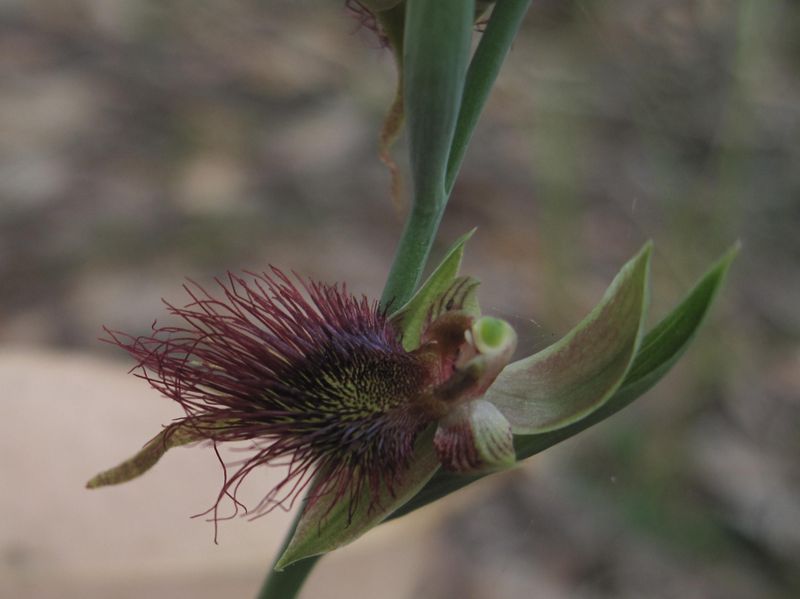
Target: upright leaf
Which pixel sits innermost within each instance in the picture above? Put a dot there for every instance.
(483, 70)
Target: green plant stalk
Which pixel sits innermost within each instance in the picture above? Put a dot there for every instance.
(429, 200)
(286, 584)
(439, 132)
(436, 48)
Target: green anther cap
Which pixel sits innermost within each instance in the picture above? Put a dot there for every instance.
(493, 336)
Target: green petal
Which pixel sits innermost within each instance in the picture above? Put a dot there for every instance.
(577, 374)
(462, 295)
(323, 527)
(146, 457)
(412, 318)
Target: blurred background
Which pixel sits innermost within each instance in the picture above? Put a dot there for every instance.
(144, 141)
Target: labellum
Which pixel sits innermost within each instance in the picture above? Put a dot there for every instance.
(326, 384)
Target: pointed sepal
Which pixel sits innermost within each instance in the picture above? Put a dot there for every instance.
(475, 438)
(665, 343)
(576, 375)
(146, 457)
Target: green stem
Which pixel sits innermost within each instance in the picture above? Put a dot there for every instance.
(431, 195)
(436, 46)
(412, 251)
(286, 584)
